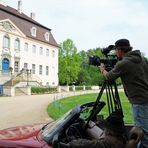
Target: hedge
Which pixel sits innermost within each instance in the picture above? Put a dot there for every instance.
(38, 90)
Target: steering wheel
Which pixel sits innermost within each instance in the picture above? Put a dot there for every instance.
(72, 133)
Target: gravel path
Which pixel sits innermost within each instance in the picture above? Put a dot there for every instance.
(25, 110)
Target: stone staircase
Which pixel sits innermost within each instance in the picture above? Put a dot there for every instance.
(23, 79)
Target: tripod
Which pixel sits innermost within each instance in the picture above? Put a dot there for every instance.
(113, 99)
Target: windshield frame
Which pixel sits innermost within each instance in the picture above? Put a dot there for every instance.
(53, 128)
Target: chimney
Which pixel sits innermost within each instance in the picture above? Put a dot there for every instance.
(32, 15)
(20, 6)
(3, 3)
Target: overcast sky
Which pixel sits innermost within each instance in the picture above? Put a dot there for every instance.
(92, 23)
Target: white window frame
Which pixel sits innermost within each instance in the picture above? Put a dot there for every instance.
(41, 51)
(26, 46)
(16, 66)
(47, 52)
(17, 44)
(33, 68)
(40, 69)
(47, 70)
(47, 35)
(25, 65)
(33, 31)
(34, 49)
(6, 41)
(53, 53)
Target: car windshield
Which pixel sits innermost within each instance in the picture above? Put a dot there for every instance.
(51, 128)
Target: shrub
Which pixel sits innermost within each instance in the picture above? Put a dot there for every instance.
(70, 88)
(87, 87)
(38, 90)
(79, 88)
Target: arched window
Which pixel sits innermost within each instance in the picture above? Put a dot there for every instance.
(46, 35)
(33, 31)
(33, 49)
(17, 44)
(47, 52)
(6, 41)
(41, 51)
(53, 53)
(26, 47)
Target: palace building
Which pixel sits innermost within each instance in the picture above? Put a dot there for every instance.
(28, 50)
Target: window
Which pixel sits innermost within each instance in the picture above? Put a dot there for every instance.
(53, 53)
(40, 69)
(6, 41)
(47, 70)
(17, 44)
(33, 68)
(33, 49)
(33, 31)
(41, 51)
(47, 83)
(46, 35)
(16, 66)
(47, 52)
(26, 47)
(25, 65)
(53, 68)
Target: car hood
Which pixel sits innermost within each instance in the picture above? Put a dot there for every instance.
(24, 137)
(20, 132)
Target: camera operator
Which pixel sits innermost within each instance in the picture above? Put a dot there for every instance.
(132, 68)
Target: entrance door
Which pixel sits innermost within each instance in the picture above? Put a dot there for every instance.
(5, 65)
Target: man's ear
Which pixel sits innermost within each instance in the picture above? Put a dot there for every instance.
(121, 53)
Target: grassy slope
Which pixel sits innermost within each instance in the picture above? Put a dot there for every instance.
(58, 108)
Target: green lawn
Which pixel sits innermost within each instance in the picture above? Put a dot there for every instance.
(58, 108)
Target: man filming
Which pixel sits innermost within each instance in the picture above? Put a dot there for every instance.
(132, 68)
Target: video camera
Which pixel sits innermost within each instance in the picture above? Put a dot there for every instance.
(109, 61)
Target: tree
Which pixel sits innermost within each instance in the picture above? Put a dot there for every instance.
(69, 62)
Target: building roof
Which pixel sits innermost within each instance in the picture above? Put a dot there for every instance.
(25, 23)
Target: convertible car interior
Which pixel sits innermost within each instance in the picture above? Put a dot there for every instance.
(92, 129)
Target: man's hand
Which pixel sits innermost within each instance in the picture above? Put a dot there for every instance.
(102, 67)
(103, 71)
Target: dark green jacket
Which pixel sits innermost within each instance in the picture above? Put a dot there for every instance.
(133, 70)
(107, 142)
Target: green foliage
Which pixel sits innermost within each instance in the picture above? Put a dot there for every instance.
(38, 90)
(79, 88)
(88, 88)
(90, 75)
(74, 67)
(70, 88)
(69, 62)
